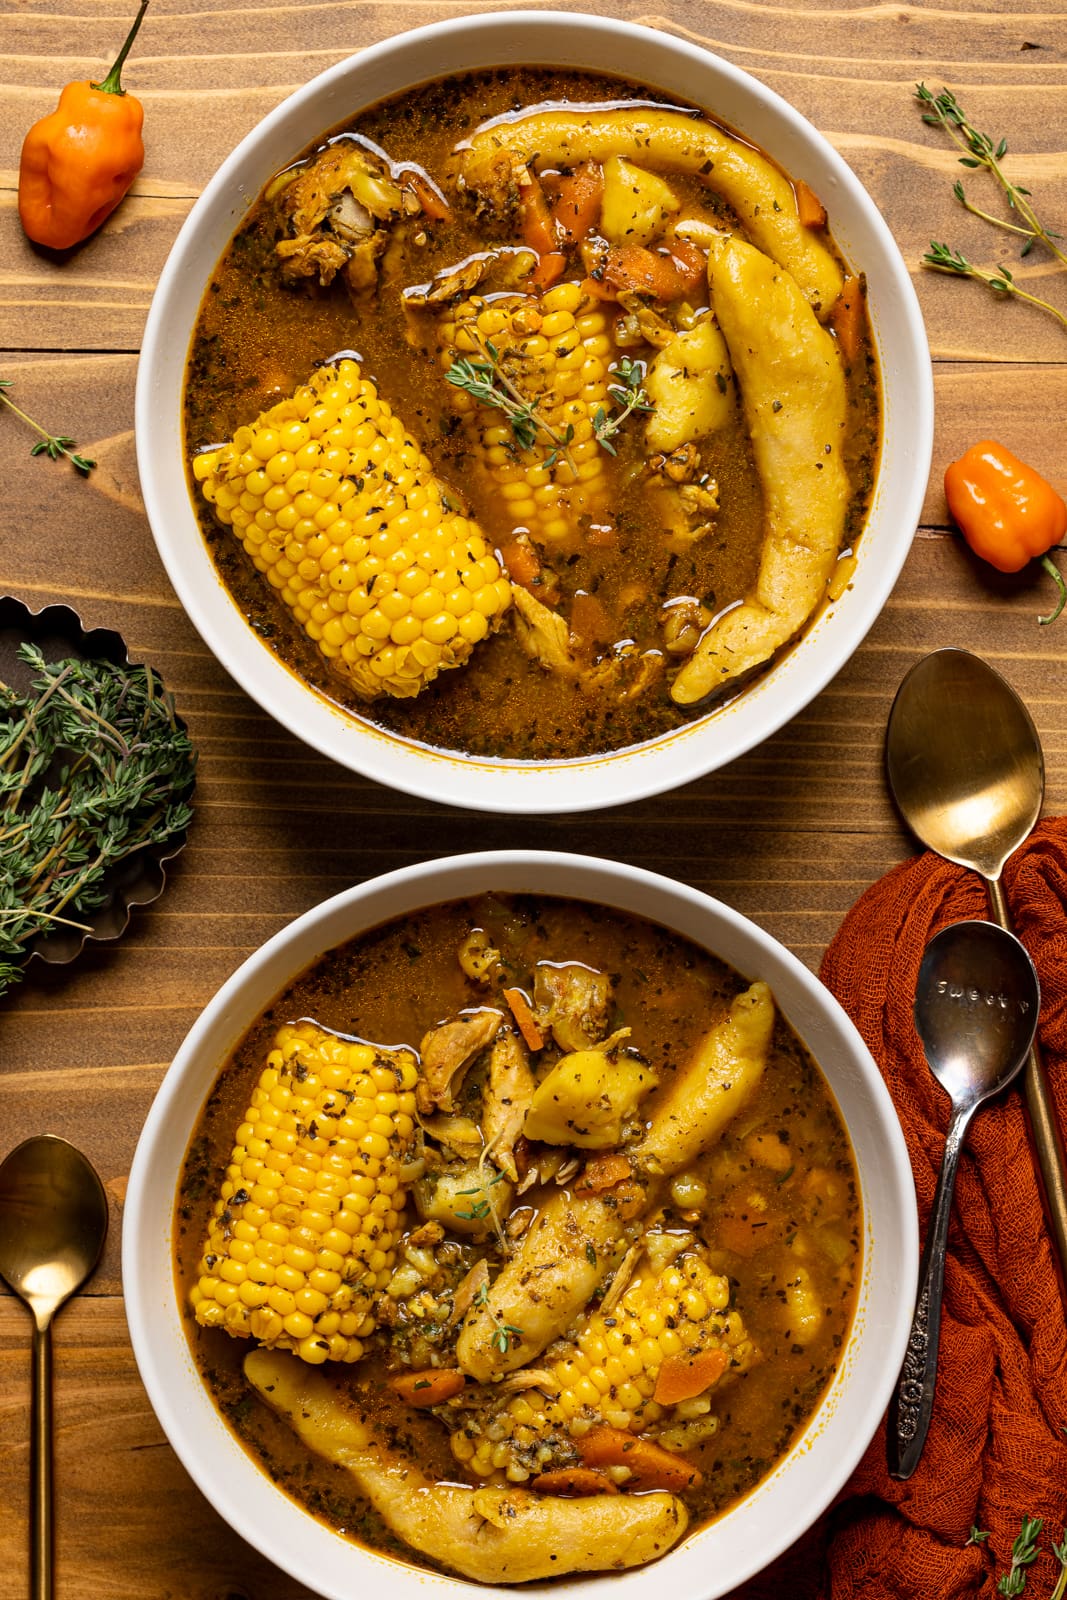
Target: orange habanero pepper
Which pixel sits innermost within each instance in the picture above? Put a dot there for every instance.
(78, 162)
(1006, 511)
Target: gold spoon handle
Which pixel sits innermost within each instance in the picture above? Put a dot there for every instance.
(41, 1465)
(1044, 1128)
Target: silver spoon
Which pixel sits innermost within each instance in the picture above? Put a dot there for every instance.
(53, 1223)
(965, 767)
(976, 1006)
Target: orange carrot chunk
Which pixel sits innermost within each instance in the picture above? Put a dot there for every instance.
(810, 208)
(603, 1172)
(434, 205)
(549, 269)
(576, 210)
(846, 318)
(681, 1378)
(431, 1387)
(521, 561)
(520, 1010)
(573, 1481)
(538, 229)
(651, 1467)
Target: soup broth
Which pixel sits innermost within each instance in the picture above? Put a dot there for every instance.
(561, 1064)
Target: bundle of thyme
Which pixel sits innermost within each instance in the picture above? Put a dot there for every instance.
(94, 766)
(982, 153)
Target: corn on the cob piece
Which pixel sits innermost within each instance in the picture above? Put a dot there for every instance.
(554, 349)
(341, 511)
(303, 1235)
(608, 1374)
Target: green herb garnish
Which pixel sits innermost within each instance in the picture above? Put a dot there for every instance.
(52, 445)
(93, 767)
(627, 392)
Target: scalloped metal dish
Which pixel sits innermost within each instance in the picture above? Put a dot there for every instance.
(58, 632)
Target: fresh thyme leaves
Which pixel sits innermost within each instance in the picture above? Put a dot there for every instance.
(52, 445)
(93, 766)
(981, 153)
(502, 1336)
(941, 258)
(488, 381)
(628, 392)
(1024, 1553)
(977, 1535)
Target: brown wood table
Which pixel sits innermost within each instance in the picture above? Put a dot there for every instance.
(790, 835)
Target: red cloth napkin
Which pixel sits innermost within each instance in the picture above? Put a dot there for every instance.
(997, 1446)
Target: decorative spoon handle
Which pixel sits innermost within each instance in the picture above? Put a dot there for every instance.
(913, 1399)
(1044, 1128)
(41, 1545)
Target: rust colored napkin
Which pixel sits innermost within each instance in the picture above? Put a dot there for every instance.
(997, 1449)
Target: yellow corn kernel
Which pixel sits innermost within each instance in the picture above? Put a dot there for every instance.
(556, 350)
(355, 493)
(328, 1231)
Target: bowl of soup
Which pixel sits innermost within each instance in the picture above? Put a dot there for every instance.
(519, 1216)
(534, 412)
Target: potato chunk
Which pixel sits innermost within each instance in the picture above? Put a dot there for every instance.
(586, 1098)
(688, 382)
(636, 203)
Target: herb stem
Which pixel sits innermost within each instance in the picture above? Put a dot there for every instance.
(52, 445)
(940, 258)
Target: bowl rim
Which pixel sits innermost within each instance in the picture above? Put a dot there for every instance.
(675, 758)
(835, 1441)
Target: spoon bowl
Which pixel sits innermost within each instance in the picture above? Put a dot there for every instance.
(976, 1007)
(53, 1223)
(964, 761)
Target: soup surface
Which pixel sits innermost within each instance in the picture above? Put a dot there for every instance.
(635, 403)
(526, 1197)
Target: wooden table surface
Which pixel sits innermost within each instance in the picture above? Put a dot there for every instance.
(790, 835)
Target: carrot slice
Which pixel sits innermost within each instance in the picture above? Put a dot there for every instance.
(603, 1172)
(520, 1010)
(681, 1378)
(577, 205)
(651, 1467)
(590, 622)
(431, 1387)
(846, 317)
(573, 1481)
(691, 262)
(665, 275)
(521, 562)
(538, 229)
(810, 208)
(549, 268)
(434, 205)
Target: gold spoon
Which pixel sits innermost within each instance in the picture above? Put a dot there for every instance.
(966, 770)
(53, 1223)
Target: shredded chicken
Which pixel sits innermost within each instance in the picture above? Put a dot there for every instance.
(448, 1051)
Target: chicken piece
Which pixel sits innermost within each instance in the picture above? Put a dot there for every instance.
(574, 1002)
(486, 1534)
(543, 634)
(716, 1084)
(464, 1197)
(577, 1239)
(337, 210)
(662, 141)
(507, 1095)
(461, 1135)
(793, 393)
(446, 1053)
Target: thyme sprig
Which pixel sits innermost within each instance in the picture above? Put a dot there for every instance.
(488, 381)
(980, 152)
(52, 445)
(942, 258)
(503, 1332)
(1024, 1552)
(627, 392)
(93, 766)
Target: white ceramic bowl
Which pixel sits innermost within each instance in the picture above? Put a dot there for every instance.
(669, 64)
(800, 1487)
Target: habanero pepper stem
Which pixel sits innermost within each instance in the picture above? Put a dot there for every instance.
(1006, 511)
(79, 161)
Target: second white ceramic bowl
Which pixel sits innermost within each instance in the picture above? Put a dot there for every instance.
(778, 1511)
